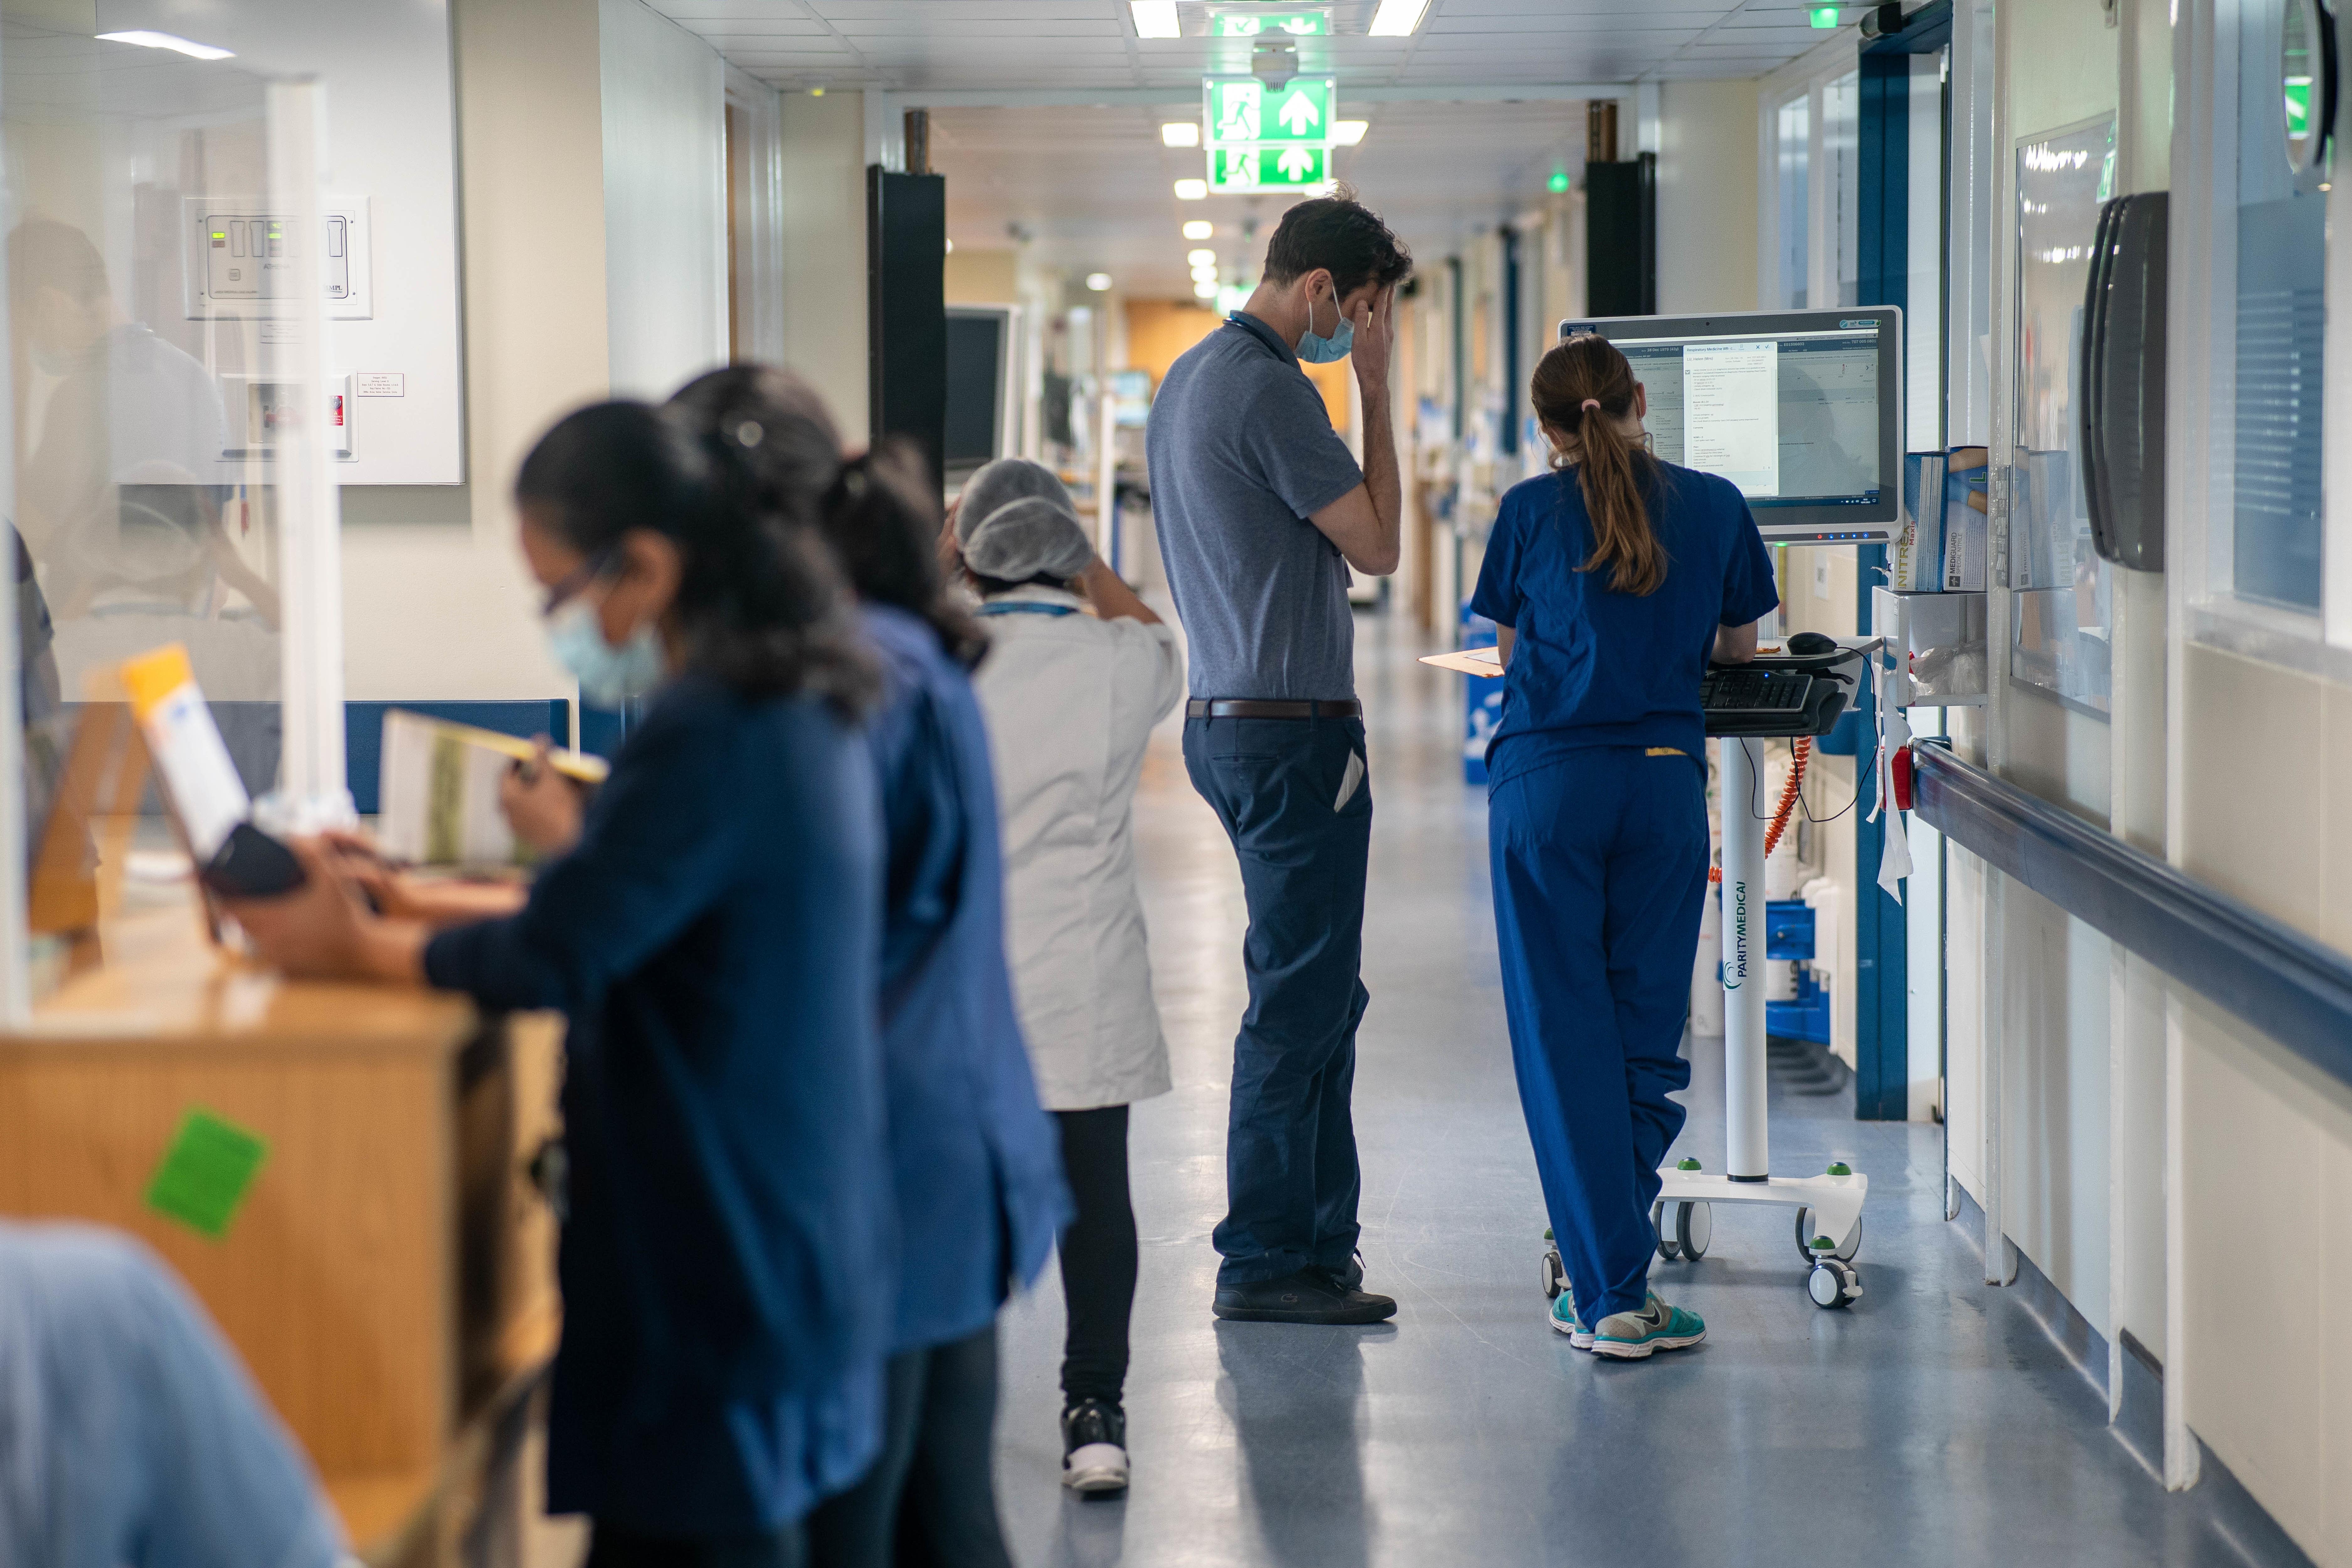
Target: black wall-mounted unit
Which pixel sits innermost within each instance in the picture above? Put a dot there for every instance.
(906, 311)
(2123, 382)
(1621, 237)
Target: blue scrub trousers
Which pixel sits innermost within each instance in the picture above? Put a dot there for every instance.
(1291, 1178)
(1599, 873)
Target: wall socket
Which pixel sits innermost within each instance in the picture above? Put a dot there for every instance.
(1821, 575)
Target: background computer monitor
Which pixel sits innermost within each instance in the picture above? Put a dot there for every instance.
(1801, 409)
(983, 423)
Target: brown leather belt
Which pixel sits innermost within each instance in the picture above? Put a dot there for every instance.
(1257, 708)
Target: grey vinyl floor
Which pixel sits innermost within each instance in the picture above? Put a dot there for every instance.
(1935, 1422)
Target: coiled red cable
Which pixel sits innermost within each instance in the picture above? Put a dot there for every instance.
(1803, 748)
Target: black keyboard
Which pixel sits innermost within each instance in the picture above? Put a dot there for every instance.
(1754, 691)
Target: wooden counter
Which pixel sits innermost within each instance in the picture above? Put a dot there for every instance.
(390, 1277)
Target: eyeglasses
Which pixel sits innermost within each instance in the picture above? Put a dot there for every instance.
(575, 582)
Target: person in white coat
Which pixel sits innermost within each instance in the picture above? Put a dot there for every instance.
(1071, 699)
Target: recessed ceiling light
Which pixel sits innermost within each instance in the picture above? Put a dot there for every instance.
(1098, 282)
(1192, 190)
(1181, 133)
(1204, 275)
(1348, 132)
(1394, 19)
(1205, 291)
(177, 44)
(1156, 19)
(1198, 228)
(1200, 258)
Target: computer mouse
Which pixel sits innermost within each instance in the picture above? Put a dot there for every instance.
(1807, 643)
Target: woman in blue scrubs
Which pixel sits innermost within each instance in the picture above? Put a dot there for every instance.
(977, 1164)
(1612, 581)
(713, 942)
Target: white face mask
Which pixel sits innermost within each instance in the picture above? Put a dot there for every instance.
(608, 676)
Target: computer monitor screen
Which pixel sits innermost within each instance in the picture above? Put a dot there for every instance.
(978, 347)
(1801, 409)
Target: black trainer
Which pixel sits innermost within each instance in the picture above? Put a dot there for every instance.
(1309, 1296)
(1094, 1447)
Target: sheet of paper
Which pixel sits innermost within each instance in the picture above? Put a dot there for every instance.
(1731, 413)
(1482, 661)
(206, 792)
(205, 1173)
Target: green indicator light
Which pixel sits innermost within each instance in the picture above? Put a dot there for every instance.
(1559, 180)
(1823, 16)
(220, 234)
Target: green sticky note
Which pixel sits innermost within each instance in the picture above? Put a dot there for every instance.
(205, 1173)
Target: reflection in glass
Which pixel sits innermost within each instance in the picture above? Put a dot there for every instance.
(2062, 607)
(1794, 143)
(138, 517)
(1841, 150)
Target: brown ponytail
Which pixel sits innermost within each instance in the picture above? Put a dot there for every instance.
(1589, 374)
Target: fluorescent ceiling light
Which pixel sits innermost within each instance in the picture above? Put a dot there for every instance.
(1198, 228)
(1348, 132)
(1394, 19)
(1200, 258)
(1192, 190)
(1204, 275)
(1205, 291)
(1155, 19)
(1181, 133)
(147, 41)
(1098, 282)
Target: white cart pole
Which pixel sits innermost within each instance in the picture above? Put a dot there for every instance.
(1747, 1153)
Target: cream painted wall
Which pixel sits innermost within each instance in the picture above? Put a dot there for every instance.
(825, 250)
(1706, 196)
(984, 276)
(665, 141)
(437, 603)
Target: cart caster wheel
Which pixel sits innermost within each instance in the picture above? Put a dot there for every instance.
(1832, 1283)
(1694, 1228)
(1555, 1274)
(1670, 1245)
(1805, 1248)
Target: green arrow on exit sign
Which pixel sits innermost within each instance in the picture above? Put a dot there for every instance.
(1236, 170)
(1241, 112)
(1261, 24)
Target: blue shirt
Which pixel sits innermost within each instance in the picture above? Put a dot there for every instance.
(727, 1259)
(1591, 666)
(977, 1166)
(1241, 454)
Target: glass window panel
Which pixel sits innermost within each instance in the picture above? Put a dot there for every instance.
(1793, 142)
(1841, 150)
(2062, 609)
(2281, 242)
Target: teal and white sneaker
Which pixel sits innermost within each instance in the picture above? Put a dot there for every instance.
(1630, 1336)
(1564, 1320)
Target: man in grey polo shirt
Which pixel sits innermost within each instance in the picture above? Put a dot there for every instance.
(1261, 509)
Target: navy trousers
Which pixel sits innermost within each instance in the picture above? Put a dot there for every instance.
(1599, 876)
(1295, 803)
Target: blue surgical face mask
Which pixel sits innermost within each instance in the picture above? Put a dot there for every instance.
(1317, 349)
(608, 676)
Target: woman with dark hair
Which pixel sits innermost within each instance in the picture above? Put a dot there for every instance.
(1612, 583)
(712, 940)
(977, 1177)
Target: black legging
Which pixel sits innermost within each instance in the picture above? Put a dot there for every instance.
(933, 1491)
(1099, 1254)
(618, 1546)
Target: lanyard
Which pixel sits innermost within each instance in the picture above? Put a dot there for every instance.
(1025, 607)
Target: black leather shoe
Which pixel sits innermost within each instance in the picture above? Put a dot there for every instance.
(1309, 1296)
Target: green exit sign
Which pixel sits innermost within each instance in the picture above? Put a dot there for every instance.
(1823, 16)
(1263, 23)
(1239, 171)
(1241, 112)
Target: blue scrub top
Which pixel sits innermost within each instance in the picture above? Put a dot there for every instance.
(727, 1259)
(1591, 666)
(976, 1164)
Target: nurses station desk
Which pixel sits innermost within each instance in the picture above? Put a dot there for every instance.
(389, 1274)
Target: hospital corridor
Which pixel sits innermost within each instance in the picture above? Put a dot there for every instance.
(1175, 784)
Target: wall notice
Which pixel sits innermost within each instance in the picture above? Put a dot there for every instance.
(382, 384)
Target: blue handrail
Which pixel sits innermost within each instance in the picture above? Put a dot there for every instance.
(2291, 987)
